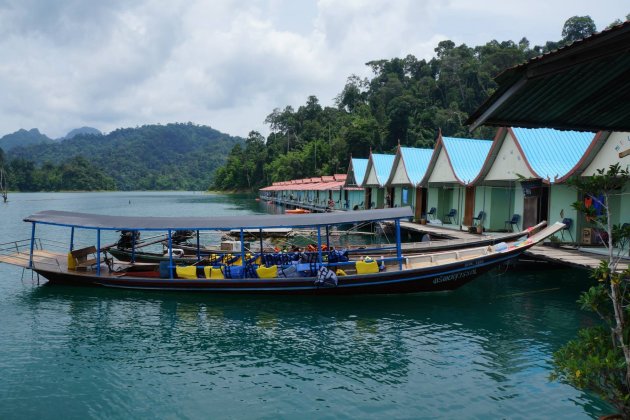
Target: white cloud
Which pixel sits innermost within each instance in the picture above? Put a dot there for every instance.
(227, 63)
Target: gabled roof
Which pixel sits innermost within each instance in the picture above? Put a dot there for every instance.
(465, 157)
(552, 155)
(378, 169)
(356, 171)
(582, 86)
(412, 164)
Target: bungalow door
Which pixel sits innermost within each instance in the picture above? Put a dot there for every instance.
(469, 206)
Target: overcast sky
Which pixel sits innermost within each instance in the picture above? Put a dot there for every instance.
(228, 63)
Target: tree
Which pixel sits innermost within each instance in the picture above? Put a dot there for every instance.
(577, 27)
(599, 358)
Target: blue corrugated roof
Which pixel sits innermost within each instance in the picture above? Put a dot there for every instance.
(552, 153)
(383, 166)
(359, 167)
(416, 162)
(467, 156)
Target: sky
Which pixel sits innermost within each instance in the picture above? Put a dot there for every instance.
(228, 64)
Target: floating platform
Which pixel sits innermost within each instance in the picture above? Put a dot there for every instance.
(570, 257)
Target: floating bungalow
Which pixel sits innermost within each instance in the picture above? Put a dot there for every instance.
(377, 173)
(317, 194)
(408, 170)
(455, 164)
(355, 194)
(523, 180)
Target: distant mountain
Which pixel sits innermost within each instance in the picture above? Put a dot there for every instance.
(152, 157)
(83, 130)
(23, 138)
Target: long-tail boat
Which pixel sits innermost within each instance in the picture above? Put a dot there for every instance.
(186, 252)
(314, 272)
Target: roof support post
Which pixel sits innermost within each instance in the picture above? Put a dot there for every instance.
(133, 246)
(98, 252)
(30, 258)
(319, 244)
(198, 248)
(72, 239)
(261, 242)
(170, 253)
(398, 245)
(243, 253)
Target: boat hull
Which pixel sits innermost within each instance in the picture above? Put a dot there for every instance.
(429, 279)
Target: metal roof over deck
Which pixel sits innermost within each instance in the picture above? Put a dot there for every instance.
(104, 222)
(582, 86)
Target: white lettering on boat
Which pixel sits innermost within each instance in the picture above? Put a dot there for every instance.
(454, 276)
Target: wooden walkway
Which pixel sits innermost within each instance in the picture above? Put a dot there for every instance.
(570, 257)
(441, 232)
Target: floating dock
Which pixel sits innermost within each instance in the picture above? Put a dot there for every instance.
(570, 257)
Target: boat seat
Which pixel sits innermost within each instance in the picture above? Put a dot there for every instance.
(364, 267)
(82, 259)
(267, 272)
(213, 273)
(188, 272)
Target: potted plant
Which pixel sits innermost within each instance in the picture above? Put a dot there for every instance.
(554, 242)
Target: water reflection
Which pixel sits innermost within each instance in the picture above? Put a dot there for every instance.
(489, 343)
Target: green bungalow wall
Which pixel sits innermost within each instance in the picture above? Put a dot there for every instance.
(499, 203)
(561, 198)
(355, 198)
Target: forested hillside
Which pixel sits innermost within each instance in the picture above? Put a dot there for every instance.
(152, 157)
(23, 138)
(406, 100)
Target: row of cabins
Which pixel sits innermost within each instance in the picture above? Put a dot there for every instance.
(516, 180)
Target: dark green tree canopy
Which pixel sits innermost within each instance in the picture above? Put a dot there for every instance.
(577, 27)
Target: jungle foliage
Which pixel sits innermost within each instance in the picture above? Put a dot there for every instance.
(406, 100)
(598, 359)
(151, 157)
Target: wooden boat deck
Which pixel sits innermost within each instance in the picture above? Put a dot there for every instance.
(569, 256)
(41, 258)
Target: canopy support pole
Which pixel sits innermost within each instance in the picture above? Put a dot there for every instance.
(30, 258)
(319, 244)
(261, 242)
(170, 253)
(72, 239)
(243, 253)
(133, 246)
(98, 252)
(327, 238)
(198, 248)
(398, 245)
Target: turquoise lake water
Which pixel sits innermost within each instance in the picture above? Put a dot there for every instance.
(483, 351)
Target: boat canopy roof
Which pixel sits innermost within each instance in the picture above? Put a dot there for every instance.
(98, 221)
